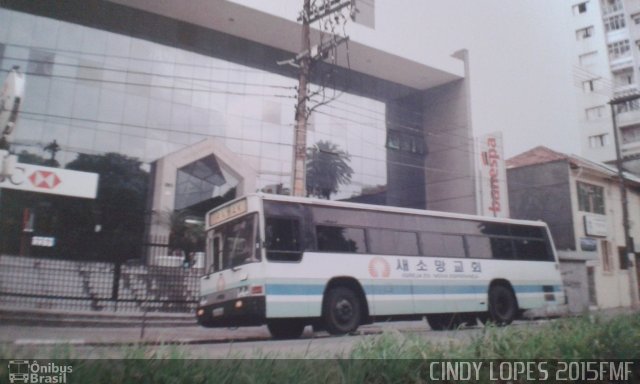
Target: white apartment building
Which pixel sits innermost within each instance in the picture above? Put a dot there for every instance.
(580, 200)
(606, 66)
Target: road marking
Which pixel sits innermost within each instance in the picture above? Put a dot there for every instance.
(48, 341)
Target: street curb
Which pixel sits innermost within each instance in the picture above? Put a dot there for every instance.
(185, 341)
(34, 317)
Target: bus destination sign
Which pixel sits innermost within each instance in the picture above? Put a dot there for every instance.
(228, 212)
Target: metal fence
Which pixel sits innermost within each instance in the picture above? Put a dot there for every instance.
(96, 286)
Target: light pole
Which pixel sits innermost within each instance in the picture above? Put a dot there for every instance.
(630, 262)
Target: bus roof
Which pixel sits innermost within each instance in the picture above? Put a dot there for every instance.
(381, 208)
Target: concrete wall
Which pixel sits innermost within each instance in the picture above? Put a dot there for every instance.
(449, 164)
(576, 284)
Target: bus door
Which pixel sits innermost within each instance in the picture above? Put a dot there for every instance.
(217, 252)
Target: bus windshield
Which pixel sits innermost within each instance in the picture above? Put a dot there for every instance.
(236, 243)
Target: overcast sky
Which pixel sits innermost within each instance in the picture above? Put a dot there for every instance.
(520, 62)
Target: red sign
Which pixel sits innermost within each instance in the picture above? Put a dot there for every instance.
(490, 158)
(44, 179)
(493, 193)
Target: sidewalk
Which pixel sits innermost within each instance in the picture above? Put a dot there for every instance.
(47, 317)
(33, 336)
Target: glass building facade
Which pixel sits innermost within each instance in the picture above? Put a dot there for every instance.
(102, 78)
(95, 91)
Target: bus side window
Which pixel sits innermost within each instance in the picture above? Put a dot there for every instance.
(390, 242)
(340, 239)
(441, 245)
(283, 239)
(535, 250)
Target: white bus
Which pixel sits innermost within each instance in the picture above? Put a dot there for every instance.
(290, 262)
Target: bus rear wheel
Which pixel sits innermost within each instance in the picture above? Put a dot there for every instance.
(342, 311)
(285, 328)
(503, 306)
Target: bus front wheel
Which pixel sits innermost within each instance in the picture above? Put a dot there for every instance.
(503, 306)
(285, 328)
(342, 311)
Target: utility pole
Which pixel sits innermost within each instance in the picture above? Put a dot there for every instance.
(310, 13)
(299, 186)
(628, 242)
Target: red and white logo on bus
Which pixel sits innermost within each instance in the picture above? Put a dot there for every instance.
(379, 267)
(44, 179)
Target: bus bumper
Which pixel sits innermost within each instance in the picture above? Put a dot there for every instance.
(246, 311)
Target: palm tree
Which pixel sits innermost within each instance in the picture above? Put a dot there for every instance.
(327, 169)
(53, 148)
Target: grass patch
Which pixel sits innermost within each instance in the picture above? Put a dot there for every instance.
(391, 357)
(588, 337)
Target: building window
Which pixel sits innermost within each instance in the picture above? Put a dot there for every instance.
(590, 198)
(589, 86)
(595, 113)
(591, 283)
(618, 49)
(630, 134)
(580, 8)
(622, 258)
(588, 59)
(599, 141)
(636, 18)
(623, 78)
(607, 260)
(405, 142)
(584, 33)
(628, 106)
(610, 6)
(365, 13)
(614, 23)
(40, 62)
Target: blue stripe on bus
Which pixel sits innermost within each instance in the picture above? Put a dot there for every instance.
(294, 289)
(318, 289)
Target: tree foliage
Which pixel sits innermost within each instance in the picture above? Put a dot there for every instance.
(26, 157)
(327, 169)
(113, 224)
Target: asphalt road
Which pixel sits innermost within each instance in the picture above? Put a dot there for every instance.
(38, 342)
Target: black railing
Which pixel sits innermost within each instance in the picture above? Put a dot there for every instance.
(96, 286)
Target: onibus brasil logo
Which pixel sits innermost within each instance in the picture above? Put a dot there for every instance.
(28, 372)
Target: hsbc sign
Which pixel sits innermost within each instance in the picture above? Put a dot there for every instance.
(36, 178)
(44, 179)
